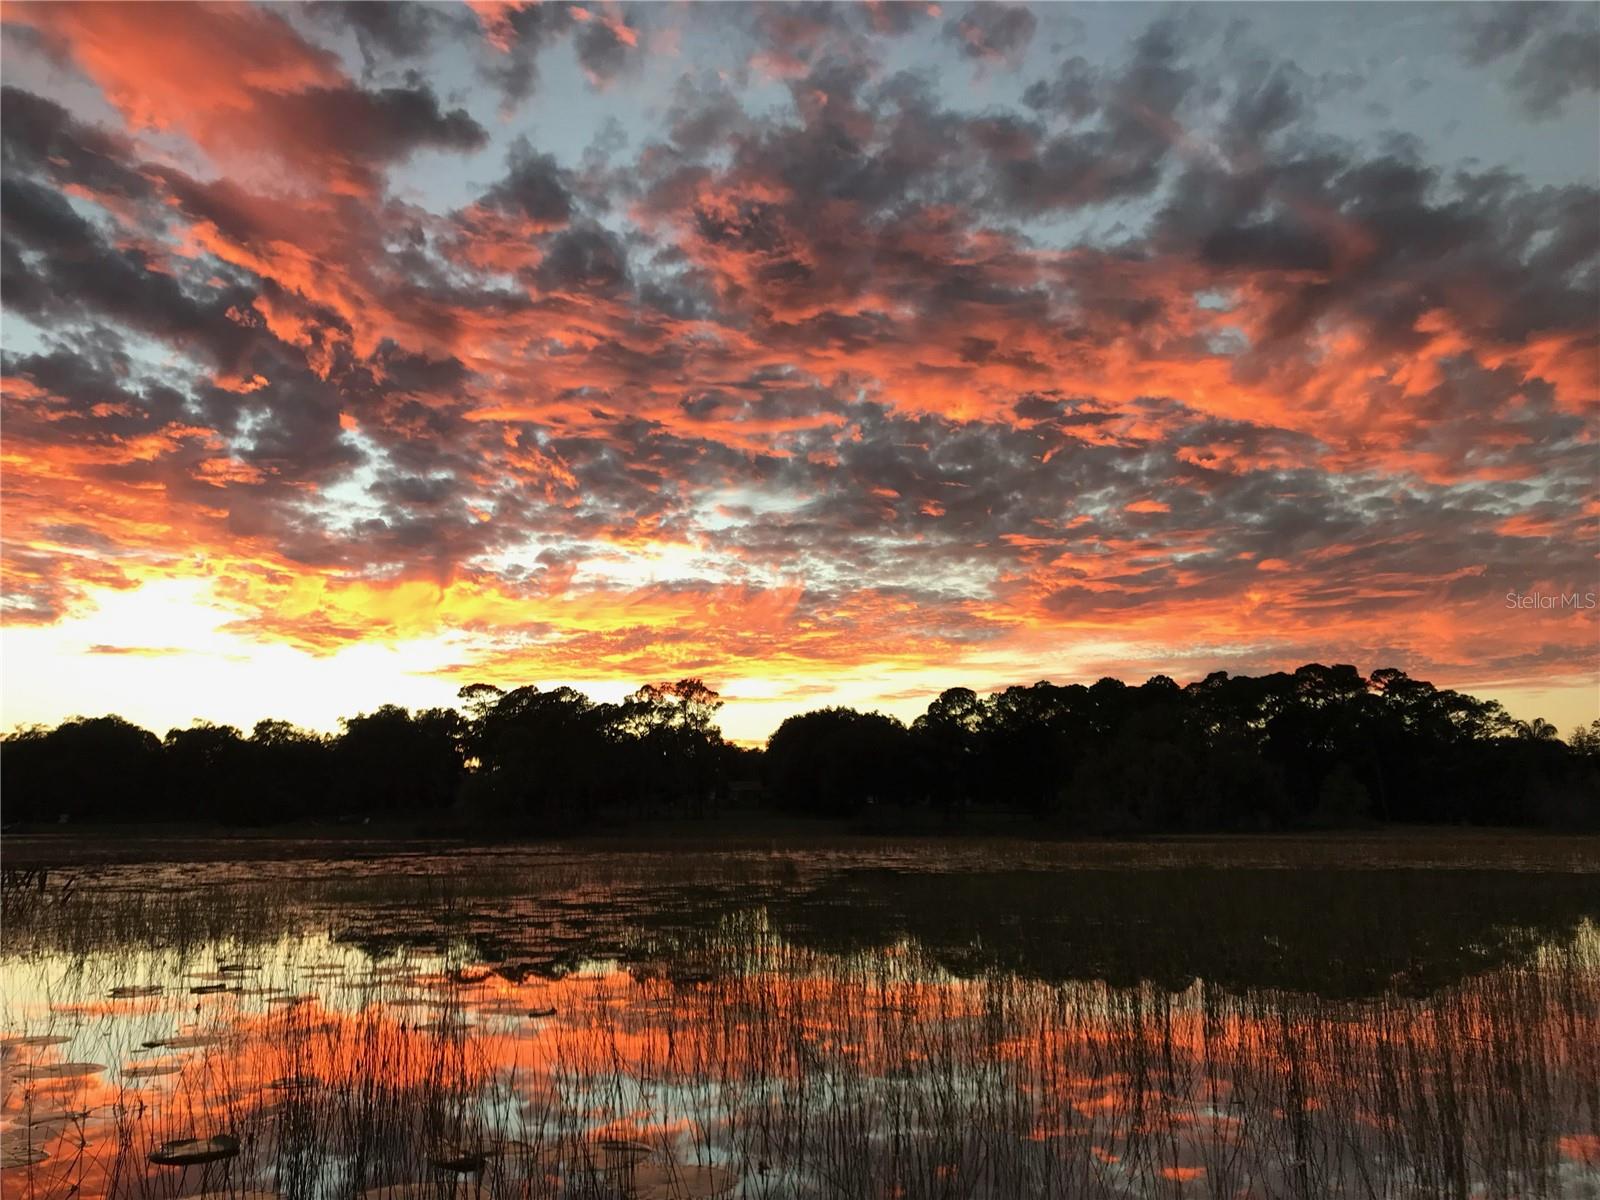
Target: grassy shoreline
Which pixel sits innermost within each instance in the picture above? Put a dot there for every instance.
(1391, 846)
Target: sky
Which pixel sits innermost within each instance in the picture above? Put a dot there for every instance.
(834, 354)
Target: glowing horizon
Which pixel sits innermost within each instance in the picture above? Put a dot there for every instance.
(829, 354)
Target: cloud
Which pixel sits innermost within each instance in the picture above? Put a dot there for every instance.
(1556, 48)
(516, 34)
(1495, 30)
(138, 651)
(390, 31)
(249, 89)
(817, 360)
(604, 45)
(993, 32)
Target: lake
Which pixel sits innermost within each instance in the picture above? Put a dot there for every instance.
(1253, 1017)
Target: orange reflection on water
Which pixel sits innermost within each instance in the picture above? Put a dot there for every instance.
(871, 1075)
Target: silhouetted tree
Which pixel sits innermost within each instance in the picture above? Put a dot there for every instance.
(668, 737)
(291, 773)
(208, 768)
(1320, 746)
(950, 741)
(1585, 740)
(86, 768)
(1035, 739)
(540, 758)
(836, 761)
(390, 762)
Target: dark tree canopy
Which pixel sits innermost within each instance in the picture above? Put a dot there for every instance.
(1322, 746)
(836, 761)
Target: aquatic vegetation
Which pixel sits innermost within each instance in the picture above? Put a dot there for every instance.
(196, 1152)
(619, 1029)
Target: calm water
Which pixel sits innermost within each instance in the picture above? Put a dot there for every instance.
(807, 1025)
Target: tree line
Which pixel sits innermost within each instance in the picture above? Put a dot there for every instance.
(1317, 747)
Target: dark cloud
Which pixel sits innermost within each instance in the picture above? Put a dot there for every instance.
(535, 187)
(90, 400)
(1074, 91)
(1122, 157)
(894, 18)
(42, 218)
(1270, 245)
(954, 364)
(1559, 66)
(605, 48)
(519, 36)
(587, 259)
(1557, 48)
(1496, 30)
(40, 136)
(1269, 99)
(392, 30)
(705, 114)
(75, 272)
(353, 131)
(993, 31)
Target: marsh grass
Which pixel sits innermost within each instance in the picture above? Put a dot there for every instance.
(707, 1026)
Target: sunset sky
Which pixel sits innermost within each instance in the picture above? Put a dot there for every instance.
(833, 354)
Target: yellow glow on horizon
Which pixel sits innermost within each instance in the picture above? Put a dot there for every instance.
(163, 654)
(160, 655)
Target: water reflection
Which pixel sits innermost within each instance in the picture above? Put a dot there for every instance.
(846, 1033)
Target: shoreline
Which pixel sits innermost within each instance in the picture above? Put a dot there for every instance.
(49, 847)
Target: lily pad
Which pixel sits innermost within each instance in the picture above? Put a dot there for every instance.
(149, 1070)
(294, 1083)
(194, 1152)
(186, 1041)
(464, 1157)
(20, 1154)
(64, 1070)
(499, 1006)
(460, 1159)
(619, 1154)
(137, 991)
(35, 1040)
(57, 1116)
(675, 1181)
(442, 1027)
